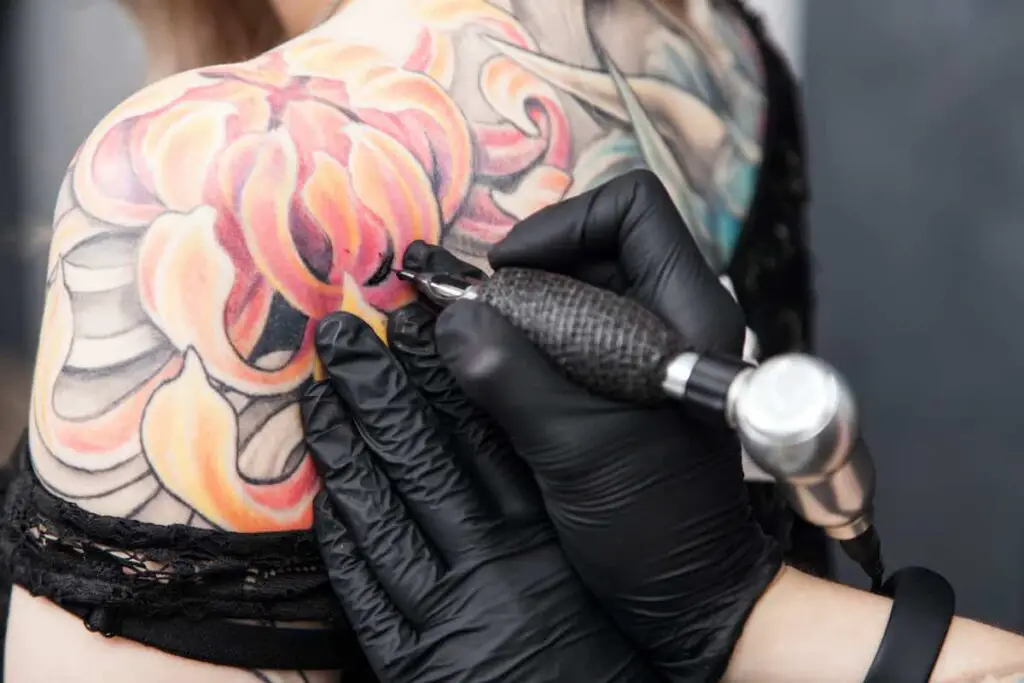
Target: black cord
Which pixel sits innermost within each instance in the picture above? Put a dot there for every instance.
(866, 550)
(923, 603)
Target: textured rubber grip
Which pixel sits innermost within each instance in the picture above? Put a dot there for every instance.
(610, 345)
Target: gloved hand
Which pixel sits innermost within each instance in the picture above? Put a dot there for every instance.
(434, 535)
(649, 505)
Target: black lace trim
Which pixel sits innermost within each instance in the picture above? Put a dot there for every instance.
(58, 550)
(244, 600)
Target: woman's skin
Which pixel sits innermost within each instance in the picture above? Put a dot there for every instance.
(211, 219)
(806, 630)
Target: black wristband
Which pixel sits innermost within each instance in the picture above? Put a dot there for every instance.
(922, 610)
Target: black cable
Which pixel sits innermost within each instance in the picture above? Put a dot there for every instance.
(922, 609)
(866, 550)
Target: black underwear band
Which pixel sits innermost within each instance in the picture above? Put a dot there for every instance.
(180, 589)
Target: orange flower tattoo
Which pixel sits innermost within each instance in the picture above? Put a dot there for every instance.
(211, 221)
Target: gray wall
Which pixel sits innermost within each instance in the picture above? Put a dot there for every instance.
(917, 157)
(12, 340)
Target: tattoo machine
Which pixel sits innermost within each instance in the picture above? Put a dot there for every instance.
(795, 416)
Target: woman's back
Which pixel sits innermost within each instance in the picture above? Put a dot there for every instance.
(212, 219)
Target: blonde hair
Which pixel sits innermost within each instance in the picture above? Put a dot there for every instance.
(188, 34)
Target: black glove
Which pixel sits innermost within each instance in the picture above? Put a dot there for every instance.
(649, 505)
(434, 535)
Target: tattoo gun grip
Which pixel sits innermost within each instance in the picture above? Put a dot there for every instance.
(610, 345)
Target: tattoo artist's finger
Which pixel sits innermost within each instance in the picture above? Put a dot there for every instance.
(386, 535)
(483, 446)
(380, 628)
(421, 256)
(632, 223)
(405, 436)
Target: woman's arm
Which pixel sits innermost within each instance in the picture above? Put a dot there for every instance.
(809, 629)
(46, 644)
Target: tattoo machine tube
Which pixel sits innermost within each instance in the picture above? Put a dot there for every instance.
(794, 414)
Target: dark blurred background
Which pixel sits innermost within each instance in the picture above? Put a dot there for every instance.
(917, 161)
(14, 338)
